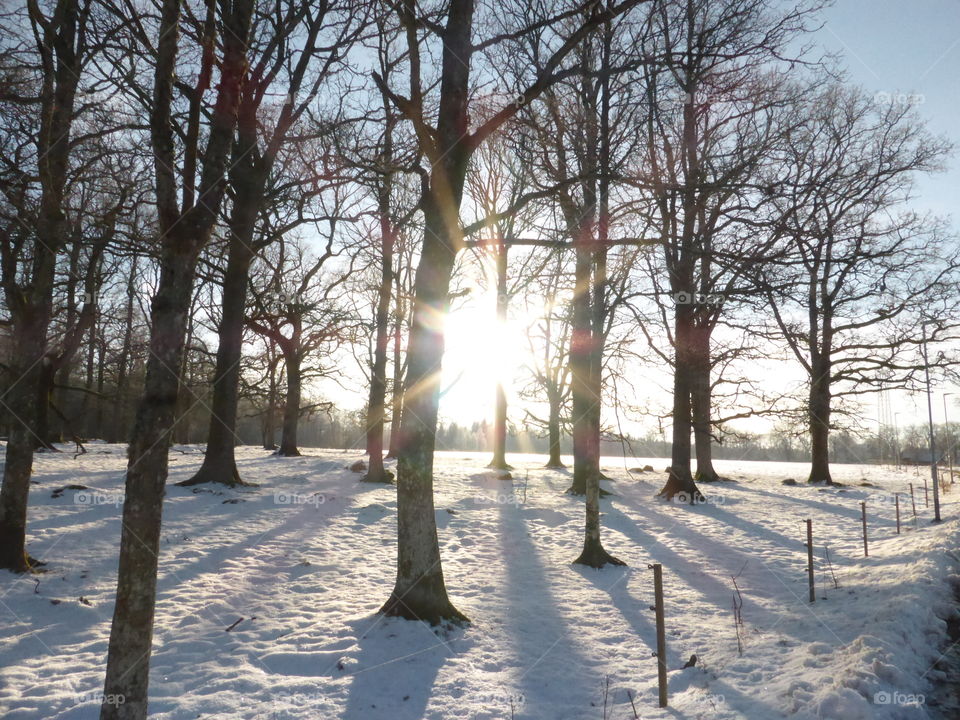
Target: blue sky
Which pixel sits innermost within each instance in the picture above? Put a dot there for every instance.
(907, 46)
(910, 47)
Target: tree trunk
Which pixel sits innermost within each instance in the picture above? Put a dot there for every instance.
(819, 412)
(700, 404)
(132, 630)
(553, 431)
(60, 38)
(378, 373)
(118, 427)
(397, 399)
(499, 461)
(43, 436)
(291, 408)
(586, 464)
(29, 345)
(270, 418)
(88, 429)
(586, 437)
(219, 461)
(185, 230)
(185, 400)
(420, 592)
(680, 483)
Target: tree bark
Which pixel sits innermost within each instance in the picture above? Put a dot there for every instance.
(420, 592)
(819, 416)
(680, 483)
(376, 409)
(132, 630)
(553, 431)
(700, 405)
(29, 345)
(270, 417)
(586, 463)
(396, 401)
(291, 408)
(499, 461)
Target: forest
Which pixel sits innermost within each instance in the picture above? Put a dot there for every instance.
(240, 235)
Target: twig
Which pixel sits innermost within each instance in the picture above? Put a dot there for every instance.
(606, 692)
(826, 552)
(738, 609)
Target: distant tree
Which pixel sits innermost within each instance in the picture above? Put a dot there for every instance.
(549, 340)
(294, 304)
(860, 273)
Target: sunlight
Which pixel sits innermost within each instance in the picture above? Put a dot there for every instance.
(480, 352)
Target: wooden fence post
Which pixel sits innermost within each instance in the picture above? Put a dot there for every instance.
(661, 633)
(863, 514)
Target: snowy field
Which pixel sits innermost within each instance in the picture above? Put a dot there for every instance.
(268, 596)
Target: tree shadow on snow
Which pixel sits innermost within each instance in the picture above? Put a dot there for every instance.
(394, 670)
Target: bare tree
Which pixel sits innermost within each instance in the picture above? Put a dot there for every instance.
(294, 305)
(862, 273)
(292, 59)
(187, 211)
(60, 37)
(445, 138)
(712, 112)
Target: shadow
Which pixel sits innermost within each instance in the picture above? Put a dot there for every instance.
(537, 632)
(841, 510)
(394, 670)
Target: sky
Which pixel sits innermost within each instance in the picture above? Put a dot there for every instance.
(899, 51)
(909, 50)
(906, 50)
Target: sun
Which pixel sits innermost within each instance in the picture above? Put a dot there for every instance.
(481, 352)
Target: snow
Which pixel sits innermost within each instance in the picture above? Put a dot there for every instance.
(307, 558)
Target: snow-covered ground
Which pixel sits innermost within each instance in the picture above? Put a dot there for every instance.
(304, 561)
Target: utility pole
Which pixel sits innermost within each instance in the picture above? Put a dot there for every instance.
(946, 426)
(896, 438)
(933, 448)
